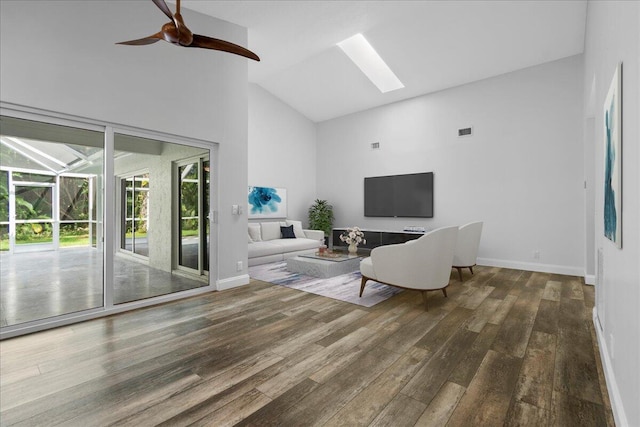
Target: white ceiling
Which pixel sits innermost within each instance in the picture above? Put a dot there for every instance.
(430, 45)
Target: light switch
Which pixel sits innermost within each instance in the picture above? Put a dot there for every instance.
(234, 209)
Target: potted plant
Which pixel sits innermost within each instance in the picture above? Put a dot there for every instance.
(321, 217)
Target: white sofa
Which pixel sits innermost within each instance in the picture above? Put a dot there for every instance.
(267, 244)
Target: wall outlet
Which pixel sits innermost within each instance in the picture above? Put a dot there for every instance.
(536, 254)
(234, 209)
(239, 266)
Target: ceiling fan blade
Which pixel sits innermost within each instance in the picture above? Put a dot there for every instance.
(225, 46)
(163, 7)
(146, 40)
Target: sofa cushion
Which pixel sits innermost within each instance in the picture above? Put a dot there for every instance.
(254, 232)
(290, 245)
(270, 230)
(258, 249)
(287, 232)
(297, 229)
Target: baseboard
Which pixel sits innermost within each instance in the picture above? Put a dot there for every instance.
(232, 282)
(612, 386)
(531, 266)
(589, 279)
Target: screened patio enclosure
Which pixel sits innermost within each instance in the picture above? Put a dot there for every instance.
(48, 194)
(53, 200)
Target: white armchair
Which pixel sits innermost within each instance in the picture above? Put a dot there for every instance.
(467, 247)
(423, 264)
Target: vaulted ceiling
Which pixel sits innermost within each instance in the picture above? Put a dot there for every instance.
(430, 45)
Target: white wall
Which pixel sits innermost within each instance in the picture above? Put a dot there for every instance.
(61, 56)
(521, 172)
(613, 36)
(282, 151)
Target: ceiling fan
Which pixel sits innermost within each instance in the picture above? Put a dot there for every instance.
(176, 32)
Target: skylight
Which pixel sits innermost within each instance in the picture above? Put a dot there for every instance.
(370, 63)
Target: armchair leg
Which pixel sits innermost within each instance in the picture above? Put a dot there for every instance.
(459, 272)
(444, 291)
(471, 269)
(362, 283)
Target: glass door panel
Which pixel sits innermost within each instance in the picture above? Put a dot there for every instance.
(52, 195)
(126, 241)
(206, 212)
(46, 175)
(140, 214)
(189, 216)
(147, 253)
(4, 211)
(135, 214)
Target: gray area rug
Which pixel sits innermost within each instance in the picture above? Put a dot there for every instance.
(344, 288)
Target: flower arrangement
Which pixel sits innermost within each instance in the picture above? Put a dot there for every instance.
(353, 236)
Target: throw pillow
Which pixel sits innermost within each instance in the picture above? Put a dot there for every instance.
(297, 229)
(270, 230)
(254, 232)
(287, 232)
(250, 239)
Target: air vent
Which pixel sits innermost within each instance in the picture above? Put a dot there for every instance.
(465, 131)
(375, 145)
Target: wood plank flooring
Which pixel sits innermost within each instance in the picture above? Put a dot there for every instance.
(507, 347)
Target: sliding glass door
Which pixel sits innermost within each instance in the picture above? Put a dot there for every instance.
(59, 214)
(145, 262)
(51, 262)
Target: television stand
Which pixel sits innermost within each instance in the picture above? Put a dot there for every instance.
(375, 238)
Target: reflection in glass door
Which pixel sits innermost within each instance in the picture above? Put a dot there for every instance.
(189, 216)
(205, 210)
(193, 226)
(135, 214)
(145, 258)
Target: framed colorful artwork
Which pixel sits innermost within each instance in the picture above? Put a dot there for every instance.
(267, 202)
(613, 160)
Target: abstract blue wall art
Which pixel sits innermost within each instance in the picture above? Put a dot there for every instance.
(613, 161)
(267, 202)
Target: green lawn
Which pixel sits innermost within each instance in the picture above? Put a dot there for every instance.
(82, 240)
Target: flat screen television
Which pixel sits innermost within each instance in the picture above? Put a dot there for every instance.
(402, 196)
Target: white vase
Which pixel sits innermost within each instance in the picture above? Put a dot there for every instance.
(353, 248)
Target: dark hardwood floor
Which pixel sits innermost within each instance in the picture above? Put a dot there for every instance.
(507, 347)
